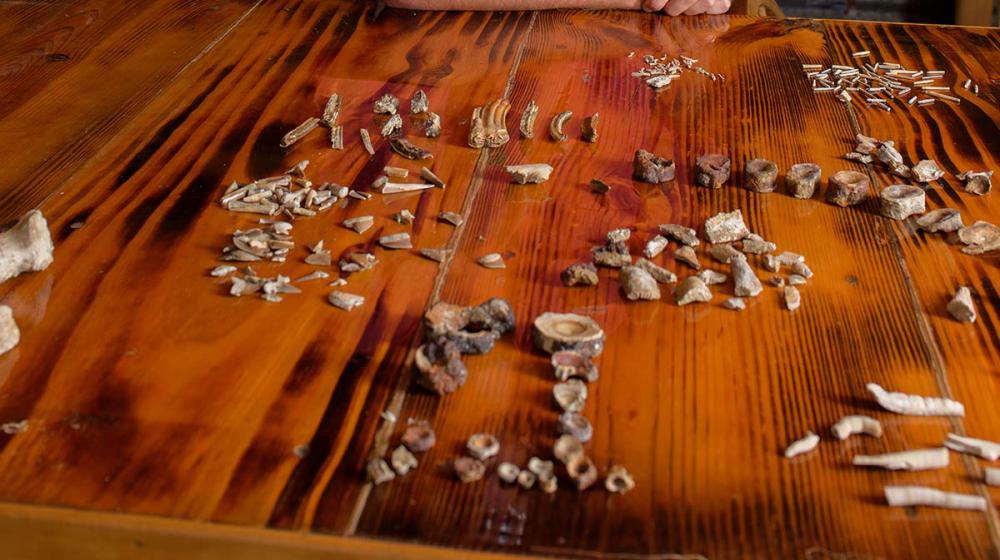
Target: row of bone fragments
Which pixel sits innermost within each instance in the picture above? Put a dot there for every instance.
(660, 72)
(915, 459)
(732, 244)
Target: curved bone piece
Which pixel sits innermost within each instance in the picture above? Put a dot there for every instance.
(916, 460)
(528, 120)
(496, 123)
(557, 124)
(409, 150)
(857, 424)
(902, 201)
(800, 446)
(904, 496)
(981, 448)
(914, 405)
(25, 247)
(589, 128)
(10, 335)
(981, 237)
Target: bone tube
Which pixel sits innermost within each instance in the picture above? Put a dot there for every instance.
(981, 448)
(914, 405)
(856, 424)
(917, 460)
(804, 445)
(902, 496)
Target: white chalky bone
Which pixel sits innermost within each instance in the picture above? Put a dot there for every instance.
(902, 403)
(804, 445)
(25, 247)
(902, 496)
(992, 476)
(982, 448)
(856, 424)
(9, 334)
(917, 460)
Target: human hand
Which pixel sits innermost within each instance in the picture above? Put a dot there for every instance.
(687, 7)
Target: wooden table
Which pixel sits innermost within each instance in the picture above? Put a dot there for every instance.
(163, 414)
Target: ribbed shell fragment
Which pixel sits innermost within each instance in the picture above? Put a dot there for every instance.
(557, 124)
(496, 123)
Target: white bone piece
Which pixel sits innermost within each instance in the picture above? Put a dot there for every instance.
(981, 448)
(915, 405)
(25, 247)
(804, 445)
(916, 460)
(857, 424)
(903, 496)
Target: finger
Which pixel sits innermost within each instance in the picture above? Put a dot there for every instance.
(718, 7)
(698, 7)
(677, 7)
(653, 5)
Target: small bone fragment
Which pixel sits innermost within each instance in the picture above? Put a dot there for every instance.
(977, 182)
(793, 300)
(992, 476)
(508, 472)
(482, 446)
(10, 335)
(618, 480)
(526, 479)
(557, 124)
(403, 460)
(344, 300)
(771, 263)
(754, 244)
(788, 258)
(618, 236)
(760, 175)
(388, 104)
(916, 460)
(961, 306)
(726, 227)
(542, 469)
(222, 270)
(660, 274)
(468, 469)
(496, 123)
(396, 172)
(681, 234)
(735, 303)
(430, 177)
(337, 137)
(419, 436)
(579, 274)
(569, 364)
(440, 365)
(925, 171)
(392, 126)
(570, 395)
(848, 426)
(902, 201)
(687, 256)
(299, 132)
(315, 275)
(432, 125)
(359, 224)
(915, 405)
(396, 188)
(589, 128)
(655, 246)
(746, 282)
(725, 253)
(638, 284)
(404, 217)
(529, 173)
(800, 446)
(776, 281)
(434, 254)
(711, 277)
(379, 471)
(319, 258)
(409, 150)
(907, 496)
(553, 332)
(941, 220)
(419, 103)
(452, 218)
(366, 141)
(582, 471)
(477, 129)
(981, 448)
(396, 241)
(26, 247)
(691, 290)
(331, 112)
(299, 169)
(796, 280)
(650, 168)
(528, 120)
(887, 153)
(492, 260)
(566, 448)
(847, 188)
(712, 170)
(598, 186)
(981, 237)
(802, 179)
(576, 425)
(604, 256)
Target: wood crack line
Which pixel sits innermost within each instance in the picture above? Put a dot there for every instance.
(395, 406)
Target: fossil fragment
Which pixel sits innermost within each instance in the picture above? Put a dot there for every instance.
(222, 270)
(409, 150)
(557, 124)
(655, 246)
(754, 244)
(914, 405)
(526, 479)
(711, 277)
(610, 257)
(541, 468)
(473, 329)
(589, 128)
(570, 364)
(315, 275)
(981, 448)
(916, 460)
(359, 224)
(337, 137)
(26, 247)
(847, 188)
(650, 168)
(793, 300)
(941, 220)
(404, 217)
(977, 182)
(579, 274)
(392, 126)
(760, 175)
(681, 234)
(299, 132)
(618, 237)
(570, 395)
(660, 274)
(981, 237)
(618, 480)
(725, 253)
(566, 448)
(712, 170)
(687, 256)
(379, 471)
(726, 227)
(396, 241)
(582, 471)
(482, 446)
(802, 179)
(576, 425)
(691, 290)
(529, 173)
(528, 120)
(366, 141)
(10, 335)
(356, 262)
(344, 300)
(909, 496)
(419, 103)
(496, 123)
(961, 306)
(553, 332)
(452, 218)
(402, 460)
(477, 129)
(396, 188)
(468, 469)
(796, 280)
(435, 254)
(432, 125)
(319, 258)
(902, 201)
(800, 446)
(638, 284)
(746, 282)
(395, 172)
(598, 186)
(430, 177)
(440, 366)
(492, 260)
(419, 436)
(992, 476)
(548, 485)
(299, 169)
(848, 426)
(735, 304)
(331, 112)
(925, 171)
(388, 104)
(887, 153)
(771, 263)
(508, 472)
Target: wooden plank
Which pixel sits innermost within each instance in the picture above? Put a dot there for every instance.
(698, 402)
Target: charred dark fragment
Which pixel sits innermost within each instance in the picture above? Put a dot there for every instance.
(474, 330)
(439, 363)
(649, 168)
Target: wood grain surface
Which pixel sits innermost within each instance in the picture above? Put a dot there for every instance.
(150, 391)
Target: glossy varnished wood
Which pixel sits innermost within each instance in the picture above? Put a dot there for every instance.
(150, 391)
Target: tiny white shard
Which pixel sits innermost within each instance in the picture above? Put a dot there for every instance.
(395, 188)
(726, 227)
(793, 299)
(396, 241)
(655, 246)
(13, 428)
(10, 335)
(992, 476)
(915, 405)
(981, 448)
(222, 270)
(492, 260)
(25, 247)
(906, 496)
(434, 254)
(403, 461)
(360, 224)
(800, 446)
(344, 300)
(316, 275)
(857, 424)
(712, 277)
(961, 306)
(735, 304)
(915, 460)
(529, 173)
